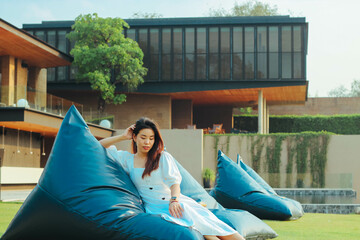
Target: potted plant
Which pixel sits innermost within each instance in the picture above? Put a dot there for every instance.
(208, 177)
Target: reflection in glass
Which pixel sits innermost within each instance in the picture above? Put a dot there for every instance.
(201, 67)
(297, 65)
(297, 38)
(166, 40)
(189, 66)
(154, 40)
(62, 41)
(261, 39)
(249, 39)
(143, 40)
(51, 74)
(61, 73)
(214, 40)
(189, 40)
(166, 67)
(51, 38)
(214, 66)
(154, 67)
(274, 65)
(237, 66)
(73, 72)
(225, 40)
(130, 33)
(249, 65)
(273, 39)
(178, 66)
(225, 67)
(177, 40)
(201, 40)
(286, 65)
(237, 40)
(40, 35)
(286, 39)
(261, 65)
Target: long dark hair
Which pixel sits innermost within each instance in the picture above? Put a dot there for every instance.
(153, 157)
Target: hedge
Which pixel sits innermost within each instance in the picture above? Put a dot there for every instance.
(338, 124)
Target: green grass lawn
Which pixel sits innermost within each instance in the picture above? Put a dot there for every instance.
(312, 226)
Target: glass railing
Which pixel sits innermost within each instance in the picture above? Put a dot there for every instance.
(44, 102)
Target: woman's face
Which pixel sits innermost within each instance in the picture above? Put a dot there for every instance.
(144, 140)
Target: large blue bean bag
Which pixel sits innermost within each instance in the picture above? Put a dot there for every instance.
(235, 188)
(83, 193)
(244, 222)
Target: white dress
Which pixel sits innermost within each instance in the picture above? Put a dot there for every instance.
(155, 193)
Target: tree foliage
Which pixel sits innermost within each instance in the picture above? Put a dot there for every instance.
(249, 8)
(104, 57)
(342, 91)
(146, 15)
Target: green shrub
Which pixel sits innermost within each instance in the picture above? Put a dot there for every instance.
(338, 124)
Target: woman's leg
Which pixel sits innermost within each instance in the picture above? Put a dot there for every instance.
(235, 236)
(211, 237)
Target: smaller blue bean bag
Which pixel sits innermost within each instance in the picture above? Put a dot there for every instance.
(244, 222)
(236, 189)
(297, 209)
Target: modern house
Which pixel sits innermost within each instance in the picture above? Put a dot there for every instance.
(199, 68)
(29, 117)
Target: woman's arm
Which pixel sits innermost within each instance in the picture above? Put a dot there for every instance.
(175, 208)
(127, 135)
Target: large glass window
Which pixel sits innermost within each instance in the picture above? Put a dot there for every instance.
(286, 61)
(249, 52)
(51, 38)
(62, 41)
(131, 33)
(189, 53)
(166, 51)
(298, 61)
(154, 54)
(201, 53)
(40, 35)
(61, 73)
(225, 53)
(237, 53)
(51, 74)
(274, 52)
(214, 53)
(143, 44)
(262, 52)
(178, 56)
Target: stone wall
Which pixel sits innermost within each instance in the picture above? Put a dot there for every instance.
(314, 106)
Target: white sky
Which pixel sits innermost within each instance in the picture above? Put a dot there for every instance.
(334, 27)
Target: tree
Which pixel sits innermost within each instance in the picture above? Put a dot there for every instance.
(342, 91)
(249, 8)
(105, 58)
(146, 15)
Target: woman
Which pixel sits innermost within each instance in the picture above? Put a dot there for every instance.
(157, 178)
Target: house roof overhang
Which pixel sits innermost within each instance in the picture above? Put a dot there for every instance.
(47, 124)
(35, 52)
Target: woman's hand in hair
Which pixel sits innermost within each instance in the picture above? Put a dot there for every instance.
(128, 133)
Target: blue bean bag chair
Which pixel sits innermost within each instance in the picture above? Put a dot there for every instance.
(235, 188)
(84, 193)
(297, 210)
(244, 222)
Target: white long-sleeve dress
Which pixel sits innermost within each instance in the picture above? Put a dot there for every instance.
(155, 193)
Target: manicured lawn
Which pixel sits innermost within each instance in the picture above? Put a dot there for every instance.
(312, 226)
(317, 226)
(7, 213)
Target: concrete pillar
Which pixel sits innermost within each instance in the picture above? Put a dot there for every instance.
(7, 80)
(267, 120)
(21, 78)
(37, 85)
(260, 112)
